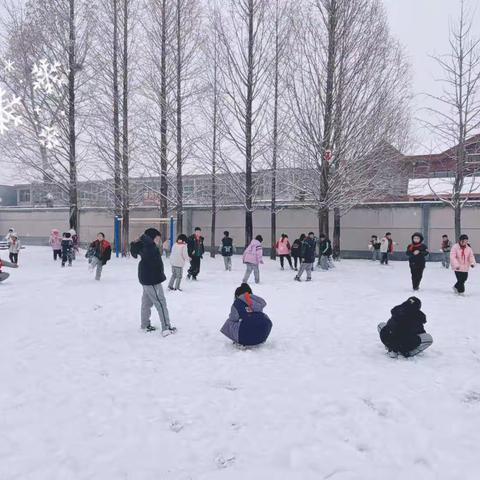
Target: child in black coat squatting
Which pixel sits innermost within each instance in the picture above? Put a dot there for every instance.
(404, 333)
(416, 253)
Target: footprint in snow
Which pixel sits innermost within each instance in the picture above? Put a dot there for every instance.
(176, 426)
(471, 397)
(224, 462)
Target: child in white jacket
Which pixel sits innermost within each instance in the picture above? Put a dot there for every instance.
(178, 257)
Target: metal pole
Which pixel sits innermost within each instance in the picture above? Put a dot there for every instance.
(117, 236)
(172, 223)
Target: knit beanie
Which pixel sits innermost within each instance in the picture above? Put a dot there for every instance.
(414, 303)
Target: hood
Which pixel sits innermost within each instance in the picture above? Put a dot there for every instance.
(255, 242)
(418, 234)
(147, 240)
(411, 306)
(55, 232)
(257, 303)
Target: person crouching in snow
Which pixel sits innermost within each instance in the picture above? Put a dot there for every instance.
(461, 259)
(14, 247)
(67, 249)
(151, 276)
(178, 257)
(98, 254)
(4, 263)
(247, 325)
(404, 333)
(55, 242)
(416, 253)
(252, 258)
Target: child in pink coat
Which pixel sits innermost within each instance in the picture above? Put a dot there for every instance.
(461, 259)
(56, 244)
(252, 258)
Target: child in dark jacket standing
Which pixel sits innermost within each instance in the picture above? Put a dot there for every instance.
(247, 325)
(404, 333)
(446, 247)
(151, 276)
(308, 256)
(227, 250)
(416, 253)
(67, 249)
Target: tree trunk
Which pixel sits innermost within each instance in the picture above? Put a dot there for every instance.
(179, 123)
(458, 220)
(73, 193)
(248, 129)
(273, 205)
(323, 221)
(336, 233)
(116, 116)
(125, 139)
(163, 123)
(214, 151)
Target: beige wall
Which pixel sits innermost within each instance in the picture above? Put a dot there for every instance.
(357, 225)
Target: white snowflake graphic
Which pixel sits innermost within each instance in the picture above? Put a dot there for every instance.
(49, 137)
(9, 111)
(47, 76)
(8, 66)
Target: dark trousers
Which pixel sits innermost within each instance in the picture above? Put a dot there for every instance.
(194, 269)
(417, 274)
(296, 262)
(384, 259)
(461, 279)
(67, 257)
(57, 253)
(282, 259)
(13, 257)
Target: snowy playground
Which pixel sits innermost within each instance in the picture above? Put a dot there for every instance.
(86, 395)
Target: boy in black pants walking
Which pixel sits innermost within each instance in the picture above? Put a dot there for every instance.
(416, 253)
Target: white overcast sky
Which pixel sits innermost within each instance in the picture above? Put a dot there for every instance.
(422, 28)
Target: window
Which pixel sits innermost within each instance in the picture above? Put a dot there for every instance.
(24, 196)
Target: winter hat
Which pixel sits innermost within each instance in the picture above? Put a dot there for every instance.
(243, 288)
(67, 235)
(153, 233)
(463, 237)
(414, 303)
(419, 235)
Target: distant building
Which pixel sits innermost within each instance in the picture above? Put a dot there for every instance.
(8, 196)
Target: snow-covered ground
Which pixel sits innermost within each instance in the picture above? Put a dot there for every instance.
(84, 394)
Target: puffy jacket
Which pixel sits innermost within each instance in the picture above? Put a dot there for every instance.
(308, 250)
(400, 334)
(325, 247)
(227, 247)
(387, 245)
(179, 255)
(283, 247)
(102, 250)
(150, 268)
(462, 258)
(55, 240)
(247, 324)
(253, 253)
(195, 246)
(14, 246)
(296, 248)
(417, 260)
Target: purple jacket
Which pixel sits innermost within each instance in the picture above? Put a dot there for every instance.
(231, 327)
(253, 253)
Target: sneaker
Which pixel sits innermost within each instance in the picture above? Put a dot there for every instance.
(150, 328)
(455, 290)
(309, 279)
(169, 331)
(195, 278)
(179, 289)
(297, 279)
(171, 288)
(282, 268)
(189, 276)
(393, 354)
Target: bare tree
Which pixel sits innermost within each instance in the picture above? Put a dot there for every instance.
(457, 111)
(349, 97)
(245, 40)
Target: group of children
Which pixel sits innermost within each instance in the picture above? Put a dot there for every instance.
(65, 247)
(460, 257)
